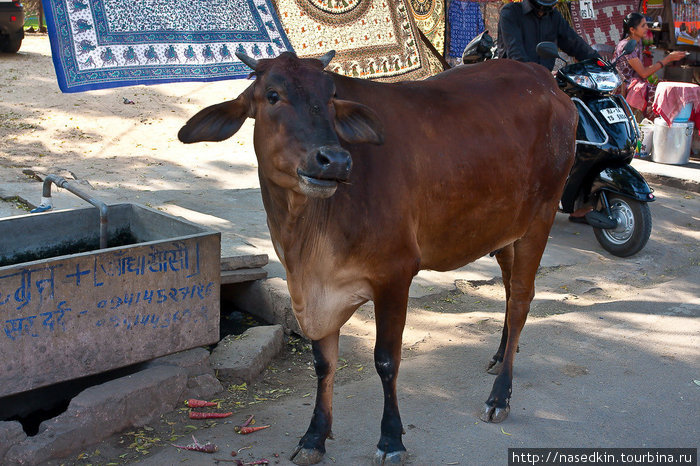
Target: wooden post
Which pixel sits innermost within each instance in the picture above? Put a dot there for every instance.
(41, 17)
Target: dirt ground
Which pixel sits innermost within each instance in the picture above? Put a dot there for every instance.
(609, 355)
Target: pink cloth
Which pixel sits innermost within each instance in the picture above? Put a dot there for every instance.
(637, 94)
(671, 97)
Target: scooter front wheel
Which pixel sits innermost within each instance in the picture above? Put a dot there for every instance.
(633, 227)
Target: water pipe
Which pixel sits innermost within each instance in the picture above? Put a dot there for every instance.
(46, 203)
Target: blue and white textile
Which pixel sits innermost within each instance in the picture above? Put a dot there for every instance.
(111, 43)
(466, 22)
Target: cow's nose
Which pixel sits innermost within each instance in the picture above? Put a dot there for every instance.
(334, 162)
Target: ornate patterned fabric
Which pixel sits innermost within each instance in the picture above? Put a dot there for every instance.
(466, 23)
(375, 39)
(607, 25)
(110, 43)
(430, 18)
(491, 11)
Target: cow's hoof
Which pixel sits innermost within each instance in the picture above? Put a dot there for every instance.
(305, 456)
(395, 457)
(494, 414)
(494, 367)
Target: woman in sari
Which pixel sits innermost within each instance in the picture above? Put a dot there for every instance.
(639, 92)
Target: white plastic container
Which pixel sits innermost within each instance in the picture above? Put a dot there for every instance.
(646, 127)
(671, 145)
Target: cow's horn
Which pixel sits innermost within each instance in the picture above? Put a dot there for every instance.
(327, 57)
(251, 62)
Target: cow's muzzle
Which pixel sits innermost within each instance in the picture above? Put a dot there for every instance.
(325, 167)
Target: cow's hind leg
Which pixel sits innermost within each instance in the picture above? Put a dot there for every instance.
(312, 445)
(528, 251)
(390, 316)
(505, 260)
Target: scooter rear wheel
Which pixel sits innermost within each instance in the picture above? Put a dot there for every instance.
(633, 227)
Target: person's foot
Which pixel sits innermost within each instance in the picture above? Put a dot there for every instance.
(579, 215)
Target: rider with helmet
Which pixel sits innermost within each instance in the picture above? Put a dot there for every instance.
(523, 25)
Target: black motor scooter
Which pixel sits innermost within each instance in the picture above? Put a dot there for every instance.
(606, 138)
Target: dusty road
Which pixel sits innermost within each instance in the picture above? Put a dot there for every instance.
(609, 356)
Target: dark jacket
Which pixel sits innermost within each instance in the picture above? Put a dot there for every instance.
(520, 30)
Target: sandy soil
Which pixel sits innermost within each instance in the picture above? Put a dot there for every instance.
(96, 137)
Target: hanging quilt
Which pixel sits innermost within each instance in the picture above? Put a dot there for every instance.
(430, 18)
(491, 12)
(466, 22)
(606, 27)
(110, 43)
(374, 39)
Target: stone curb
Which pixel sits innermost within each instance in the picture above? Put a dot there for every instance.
(673, 182)
(242, 358)
(103, 410)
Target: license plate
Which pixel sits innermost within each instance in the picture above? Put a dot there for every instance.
(614, 115)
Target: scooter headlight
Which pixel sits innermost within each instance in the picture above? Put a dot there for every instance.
(606, 81)
(583, 81)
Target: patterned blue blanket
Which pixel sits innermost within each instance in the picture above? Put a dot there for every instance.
(111, 43)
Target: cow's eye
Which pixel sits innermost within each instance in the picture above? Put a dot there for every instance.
(273, 97)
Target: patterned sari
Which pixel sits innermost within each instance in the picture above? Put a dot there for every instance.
(639, 92)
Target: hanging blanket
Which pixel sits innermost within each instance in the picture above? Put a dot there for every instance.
(430, 18)
(466, 23)
(110, 43)
(491, 11)
(606, 28)
(375, 39)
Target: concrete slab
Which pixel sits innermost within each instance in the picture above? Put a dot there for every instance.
(676, 176)
(242, 358)
(11, 433)
(100, 411)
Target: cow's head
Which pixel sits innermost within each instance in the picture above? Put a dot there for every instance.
(298, 123)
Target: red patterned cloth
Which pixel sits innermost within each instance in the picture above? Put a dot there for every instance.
(671, 97)
(638, 95)
(606, 28)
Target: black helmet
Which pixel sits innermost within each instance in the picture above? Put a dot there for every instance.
(543, 7)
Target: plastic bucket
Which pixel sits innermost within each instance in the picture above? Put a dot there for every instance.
(672, 144)
(684, 114)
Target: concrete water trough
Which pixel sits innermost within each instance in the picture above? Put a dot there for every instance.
(69, 309)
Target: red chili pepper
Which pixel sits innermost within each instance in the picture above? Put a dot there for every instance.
(249, 429)
(196, 446)
(198, 415)
(195, 403)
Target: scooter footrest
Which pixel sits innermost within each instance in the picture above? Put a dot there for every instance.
(600, 220)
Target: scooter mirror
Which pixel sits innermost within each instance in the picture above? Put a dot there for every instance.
(547, 50)
(629, 47)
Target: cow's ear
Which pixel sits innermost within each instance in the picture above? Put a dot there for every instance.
(356, 123)
(216, 123)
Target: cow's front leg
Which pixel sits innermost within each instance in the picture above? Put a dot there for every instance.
(390, 315)
(312, 445)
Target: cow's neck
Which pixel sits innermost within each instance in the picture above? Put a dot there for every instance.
(292, 217)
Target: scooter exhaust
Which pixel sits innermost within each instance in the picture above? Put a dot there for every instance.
(598, 219)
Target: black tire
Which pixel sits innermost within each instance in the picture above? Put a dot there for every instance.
(633, 230)
(10, 45)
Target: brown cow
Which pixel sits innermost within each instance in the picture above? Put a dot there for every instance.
(443, 171)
